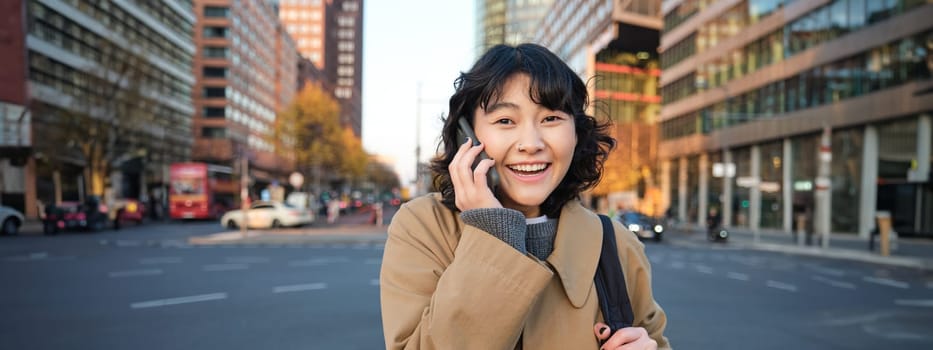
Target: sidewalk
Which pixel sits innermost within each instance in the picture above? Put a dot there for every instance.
(352, 228)
(907, 252)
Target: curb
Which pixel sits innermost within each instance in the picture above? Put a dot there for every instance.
(918, 263)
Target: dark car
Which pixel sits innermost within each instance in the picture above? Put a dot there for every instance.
(643, 226)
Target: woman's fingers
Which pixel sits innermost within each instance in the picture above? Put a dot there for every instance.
(479, 175)
(630, 338)
(602, 331)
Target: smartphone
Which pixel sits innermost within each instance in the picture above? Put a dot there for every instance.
(492, 176)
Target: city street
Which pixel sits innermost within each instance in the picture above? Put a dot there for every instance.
(147, 288)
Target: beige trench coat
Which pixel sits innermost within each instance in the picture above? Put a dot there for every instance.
(446, 285)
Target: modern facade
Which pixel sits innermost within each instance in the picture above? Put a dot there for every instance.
(817, 112)
(69, 65)
(614, 49)
(245, 68)
(330, 34)
(507, 21)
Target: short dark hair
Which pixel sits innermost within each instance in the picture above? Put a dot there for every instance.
(553, 85)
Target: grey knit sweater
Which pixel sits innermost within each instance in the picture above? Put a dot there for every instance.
(510, 226)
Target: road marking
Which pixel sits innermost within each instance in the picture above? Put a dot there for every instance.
(737, 276)
(160, 260)
(319, 261)
(704, 269)
(887, 282)
(834, 283)
(374, 282)
(379, 246)
(224, 267)
(360, 246)
(127, 243)
(677, 265)
(180, 300)
(373, 261)
(247, 260)
(655, 259)
(829, 271)
(782, 286)
(338, 246)
(299, 287)
(132, 273)
(914, 302)
(930, 285)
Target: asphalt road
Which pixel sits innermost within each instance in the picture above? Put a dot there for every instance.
(145, 288)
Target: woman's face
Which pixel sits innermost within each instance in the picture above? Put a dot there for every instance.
(532, 145)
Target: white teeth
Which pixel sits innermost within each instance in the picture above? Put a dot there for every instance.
(529, 167)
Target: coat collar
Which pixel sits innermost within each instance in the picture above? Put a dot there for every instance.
(576, 251)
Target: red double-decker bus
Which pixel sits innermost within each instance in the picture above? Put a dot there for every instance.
(200, 190)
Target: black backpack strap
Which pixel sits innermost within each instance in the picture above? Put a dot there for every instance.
(610, 282)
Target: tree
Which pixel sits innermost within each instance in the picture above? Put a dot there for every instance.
(309, 131)
(354, 159)
(102, 117)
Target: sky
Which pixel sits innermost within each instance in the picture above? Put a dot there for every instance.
(407, 43)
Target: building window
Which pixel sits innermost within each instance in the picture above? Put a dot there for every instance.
(213, 133)
(214, 112)
(351, 6)
(212, 92)
(345, 46)
(215, 72)
(215, 32)
(216, 12)
(216, 52)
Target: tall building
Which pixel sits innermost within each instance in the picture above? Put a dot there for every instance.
(245, 69)
(507, 21)
(783, 111)
(104, 87)
(330, 34)
(613, 47)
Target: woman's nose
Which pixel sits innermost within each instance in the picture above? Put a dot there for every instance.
(531, 141)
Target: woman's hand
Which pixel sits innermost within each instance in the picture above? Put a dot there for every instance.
(630, 338)
(470, 187)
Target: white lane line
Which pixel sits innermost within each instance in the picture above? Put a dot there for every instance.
(299, 287)
(160, 260)
(887, 282)
(224, 267)
(180, 300)
(782, 286)
(737, 276)
(704, 269)
(827, 271)
(319, 261)
(338, 246)
(373, 261)
(360, 246)
(677, 265)
(374, 282)
(930, 285)
(132, 273)
(834, 283)
(127, 243)
(247, 260)
(379, 246)
(655, 259)
(915, 302)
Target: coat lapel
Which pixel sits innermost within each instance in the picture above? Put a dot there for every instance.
(576, 251)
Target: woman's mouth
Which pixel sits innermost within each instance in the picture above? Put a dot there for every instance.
(528, 169)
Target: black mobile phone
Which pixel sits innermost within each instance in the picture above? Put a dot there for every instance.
(492, 176)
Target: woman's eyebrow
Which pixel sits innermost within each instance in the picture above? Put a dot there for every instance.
(499, 105)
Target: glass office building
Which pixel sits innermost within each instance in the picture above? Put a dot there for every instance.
(755, 89)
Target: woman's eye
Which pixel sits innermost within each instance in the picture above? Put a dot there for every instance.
(504, 121)
(551, 118)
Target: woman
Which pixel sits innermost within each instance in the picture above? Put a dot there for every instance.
(467, 268)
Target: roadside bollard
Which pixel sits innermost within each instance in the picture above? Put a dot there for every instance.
(801, 228)
(378, 210)
(884, 231)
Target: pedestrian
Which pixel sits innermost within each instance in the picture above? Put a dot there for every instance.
(512, 266)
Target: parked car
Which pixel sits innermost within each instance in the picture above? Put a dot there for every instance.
(265, 214)
(91, 215)
(10, 221)
(127, 210)
(642, 226)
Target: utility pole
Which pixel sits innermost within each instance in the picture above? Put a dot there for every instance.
(418, 141)
(244, 192)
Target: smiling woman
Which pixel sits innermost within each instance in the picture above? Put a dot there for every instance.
(512, 266)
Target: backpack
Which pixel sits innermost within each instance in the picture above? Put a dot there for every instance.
(610, 283)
